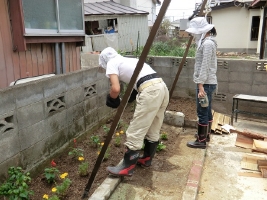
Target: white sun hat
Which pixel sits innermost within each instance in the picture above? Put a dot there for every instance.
(199, 25)
(106, 55)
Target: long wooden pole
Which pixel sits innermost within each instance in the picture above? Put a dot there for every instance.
(128, 91)
(185, 53)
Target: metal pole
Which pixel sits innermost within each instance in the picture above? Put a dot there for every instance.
(128, 91)
(185, 54)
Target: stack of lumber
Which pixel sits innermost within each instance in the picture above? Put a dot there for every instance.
(218, 121)
(257, 161)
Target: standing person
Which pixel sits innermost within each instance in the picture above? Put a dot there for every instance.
(151, 102)
(204, 76)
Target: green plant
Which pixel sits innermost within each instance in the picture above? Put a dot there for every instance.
(83, 169)
(106, 129)
(16, 186)
(117, 139)
(161, 146)
(51, 174)
(164, 136)
(61, 190)
(107, 154)
(76, 152)
(54, 197)
(95, 140)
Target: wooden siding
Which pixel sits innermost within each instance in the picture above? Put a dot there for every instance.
(38, 59)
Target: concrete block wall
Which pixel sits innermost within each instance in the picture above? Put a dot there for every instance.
(40, 118)
(235, 76)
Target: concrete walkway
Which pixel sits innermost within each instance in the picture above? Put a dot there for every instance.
(188, 179)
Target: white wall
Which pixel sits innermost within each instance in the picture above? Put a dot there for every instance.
(233, 26)
(148, 6)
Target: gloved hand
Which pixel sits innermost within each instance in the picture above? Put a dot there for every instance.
(132, 96)
(113, 103)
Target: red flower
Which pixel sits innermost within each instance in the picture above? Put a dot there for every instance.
(53, 163)
(74, 140)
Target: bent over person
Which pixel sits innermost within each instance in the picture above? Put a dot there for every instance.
(204, 76)
(152, 98)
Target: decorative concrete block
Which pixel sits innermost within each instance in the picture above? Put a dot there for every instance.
(174, 118)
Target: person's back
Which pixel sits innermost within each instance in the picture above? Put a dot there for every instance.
(152, 98)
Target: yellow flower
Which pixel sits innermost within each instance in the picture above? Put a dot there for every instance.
(121, 132)
(63, 175)
(98, 152)
(54, 189)
(81, 158)
(102, 143)
(45, 196)
(117, 134)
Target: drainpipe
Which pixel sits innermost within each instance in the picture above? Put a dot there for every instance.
(57, 58)
(63, 58)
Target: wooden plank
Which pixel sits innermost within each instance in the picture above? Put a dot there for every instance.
(215, 121)
(244, 142)
(51, 58)
(45, 61)
(250, 174)
(74, 57)
(264, 173)
(3, 78)
(34, 60)
(7, 41)
(16, 65)
(78, 52)
(67, 46)
(23, 65)
(260, 146)
(70, 58)
(250, 161)
(39, 58)
(29, 62)
(226, 120)
(17, 21)
(249, 134)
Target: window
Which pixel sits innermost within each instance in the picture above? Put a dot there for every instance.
(53, 17)
(255, 28)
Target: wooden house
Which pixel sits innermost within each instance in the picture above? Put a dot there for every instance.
(39, 37)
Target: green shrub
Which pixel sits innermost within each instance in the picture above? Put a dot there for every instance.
(16, 187)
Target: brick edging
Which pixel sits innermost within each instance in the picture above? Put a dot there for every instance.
(193, 181)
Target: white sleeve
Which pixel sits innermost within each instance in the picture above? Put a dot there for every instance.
(112, 69)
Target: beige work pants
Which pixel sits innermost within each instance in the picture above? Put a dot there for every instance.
(148, 117)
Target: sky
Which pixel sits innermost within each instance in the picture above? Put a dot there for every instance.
(179, 9)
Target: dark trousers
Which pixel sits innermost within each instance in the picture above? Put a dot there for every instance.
(204, 113)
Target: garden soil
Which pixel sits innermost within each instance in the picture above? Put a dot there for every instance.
(69, 164)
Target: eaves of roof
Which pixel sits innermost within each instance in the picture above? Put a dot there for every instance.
(258, 3)
(110, 8)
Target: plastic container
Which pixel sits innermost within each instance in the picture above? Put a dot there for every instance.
(204, 101)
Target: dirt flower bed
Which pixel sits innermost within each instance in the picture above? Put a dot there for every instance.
(73, 160)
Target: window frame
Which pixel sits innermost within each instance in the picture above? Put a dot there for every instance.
(21, 38)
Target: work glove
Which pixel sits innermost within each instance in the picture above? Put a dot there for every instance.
(132, 96)
(113, 103)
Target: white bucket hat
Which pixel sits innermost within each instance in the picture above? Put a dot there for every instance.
(199, 25)
(106, 55)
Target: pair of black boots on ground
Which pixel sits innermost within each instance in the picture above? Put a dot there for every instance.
(202, 135)
(131, 158)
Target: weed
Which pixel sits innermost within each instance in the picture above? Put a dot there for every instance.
(76, 153)
(161, 146)
(16, 186)
(106, 129)
(51, 174)
(117, 139)
(164, 136)
(95, 140)
(83, 169)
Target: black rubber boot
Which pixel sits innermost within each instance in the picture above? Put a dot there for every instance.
(127, 165)
(209, 132)
(149, 152)
(201, 138)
